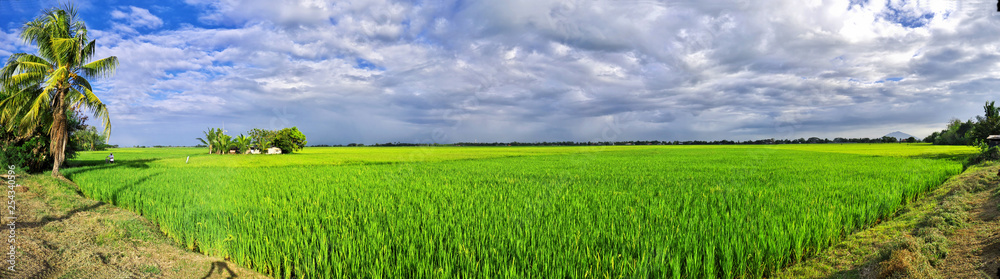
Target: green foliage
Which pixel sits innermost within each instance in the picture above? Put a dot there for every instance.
(932, 137)
(224, 142)
(89, 139)
(987, 124)
(559, 212)
(31, 155)
(986, 154)
(217, 141)
(262, 138)
(969, 132)
(35, 89)
(289, 140)
(956, 133)
(242, 143)
(31, 152)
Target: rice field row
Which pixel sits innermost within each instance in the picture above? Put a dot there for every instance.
(554, 212)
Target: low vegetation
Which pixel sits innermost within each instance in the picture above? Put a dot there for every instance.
(61, 234)
(288, 140)
(921, 241)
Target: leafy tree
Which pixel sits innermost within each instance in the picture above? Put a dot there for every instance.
(957, 133)
(986, 125)
(38, 90)
(289, 140)
(89, 139)
(911, 139)
(263, 139)
(930, 139)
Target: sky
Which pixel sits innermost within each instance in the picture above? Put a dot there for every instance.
(376, 71)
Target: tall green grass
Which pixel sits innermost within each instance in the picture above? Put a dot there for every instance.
(680, 212)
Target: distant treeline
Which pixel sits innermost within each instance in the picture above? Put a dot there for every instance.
(696, 142)
(970, 132)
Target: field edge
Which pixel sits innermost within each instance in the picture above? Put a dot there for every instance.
(924, 229)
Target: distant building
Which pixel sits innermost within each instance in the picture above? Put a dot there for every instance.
(993, 140)
(274, 150)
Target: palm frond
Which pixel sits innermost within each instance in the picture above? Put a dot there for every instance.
(101, 68)
(87, 51)
(89, 100)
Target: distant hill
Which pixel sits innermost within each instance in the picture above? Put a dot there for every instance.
(900, 135)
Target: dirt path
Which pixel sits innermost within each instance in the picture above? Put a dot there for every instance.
(60, 234)
(975, 248)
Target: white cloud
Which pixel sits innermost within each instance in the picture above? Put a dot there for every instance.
(136, 17)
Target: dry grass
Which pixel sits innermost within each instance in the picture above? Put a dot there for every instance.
(63, 235)
(950, 233)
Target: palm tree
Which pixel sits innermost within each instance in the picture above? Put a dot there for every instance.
(224, 142)
(243, 142)
(210, 138)
(39, 89)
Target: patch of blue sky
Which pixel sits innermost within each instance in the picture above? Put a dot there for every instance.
(160, 95)
(859, 3)
(361, 63)
(889, 79)
(904, 18)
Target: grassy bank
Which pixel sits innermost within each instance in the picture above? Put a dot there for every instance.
(921, 240)
(60, 234)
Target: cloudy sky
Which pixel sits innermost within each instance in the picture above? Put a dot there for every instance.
(444, 71)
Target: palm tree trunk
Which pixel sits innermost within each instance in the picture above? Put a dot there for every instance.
(57, 133)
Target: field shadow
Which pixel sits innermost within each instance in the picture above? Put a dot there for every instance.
(961, 158)
(47, 219)
(79, 167)
(220, 267)
(843, 274)
(117, 194)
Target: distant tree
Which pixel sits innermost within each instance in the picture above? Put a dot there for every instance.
(957, 133)
(223, 143)
(930, 139)
(263, 139)
(211, 139)
(38, 90)
(986, 125)
(89, 139)
(289, 140)
(911, 139)
(242, 143)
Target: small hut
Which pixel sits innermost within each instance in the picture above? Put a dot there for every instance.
(993, 140)
(274, 150)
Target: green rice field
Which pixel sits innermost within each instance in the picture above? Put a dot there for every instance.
(514, 212)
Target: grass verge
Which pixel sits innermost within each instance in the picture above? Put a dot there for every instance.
(918, 241)
(60, 234)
